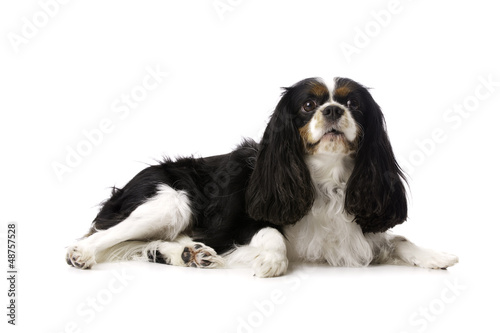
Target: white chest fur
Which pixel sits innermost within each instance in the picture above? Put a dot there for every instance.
(327, 233)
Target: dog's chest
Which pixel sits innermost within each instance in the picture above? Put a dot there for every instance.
(328, 234)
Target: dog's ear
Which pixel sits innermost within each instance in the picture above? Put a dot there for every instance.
(280, 189)
(375, 193)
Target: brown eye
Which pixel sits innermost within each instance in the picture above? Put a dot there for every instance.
(309, 105)
(352, 104)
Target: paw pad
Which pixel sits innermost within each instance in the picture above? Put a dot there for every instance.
(201, 256)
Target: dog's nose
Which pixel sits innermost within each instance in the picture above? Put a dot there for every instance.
(333, 112)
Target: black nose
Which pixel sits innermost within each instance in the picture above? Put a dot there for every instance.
(333, 112)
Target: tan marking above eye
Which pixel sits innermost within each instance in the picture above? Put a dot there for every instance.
(319, 89)
(342, 92)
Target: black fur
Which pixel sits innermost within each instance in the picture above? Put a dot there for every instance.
(375, 192)
(280, 188)
(216, 189)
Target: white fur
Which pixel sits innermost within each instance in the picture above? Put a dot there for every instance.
(171, 252)
(163, 216)
(411, 254)
(328, 234)
(266, 252)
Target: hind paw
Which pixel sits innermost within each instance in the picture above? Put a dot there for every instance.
(80, 257)
(199, 255)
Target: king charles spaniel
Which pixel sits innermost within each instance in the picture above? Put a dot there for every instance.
(322, 185)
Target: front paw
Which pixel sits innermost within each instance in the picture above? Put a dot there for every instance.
(270, 264)
(80, 257)
(435, 260)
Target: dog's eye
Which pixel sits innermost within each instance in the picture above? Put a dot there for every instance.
(352, 104)
(309, 105)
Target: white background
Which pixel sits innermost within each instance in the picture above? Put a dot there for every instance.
(224, 78)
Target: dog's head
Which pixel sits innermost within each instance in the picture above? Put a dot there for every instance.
(339, 122)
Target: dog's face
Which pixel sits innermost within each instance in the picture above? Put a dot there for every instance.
(326, 116)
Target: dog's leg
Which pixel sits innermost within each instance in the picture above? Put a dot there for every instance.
(266, 252)
(164, 216)
(181, 252)
(392, 249)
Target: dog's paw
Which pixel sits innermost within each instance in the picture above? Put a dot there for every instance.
(202, 256)
(270, 264)
(434, 260)
(158, 257)
(80, 257)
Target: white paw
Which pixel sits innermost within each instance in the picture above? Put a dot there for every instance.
(270, 264)
(434, 260)
(80, 257)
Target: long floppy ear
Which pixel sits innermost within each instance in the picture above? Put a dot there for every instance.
(375, 193)
(280, 189)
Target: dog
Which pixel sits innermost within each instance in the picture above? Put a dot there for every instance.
(322, 185)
